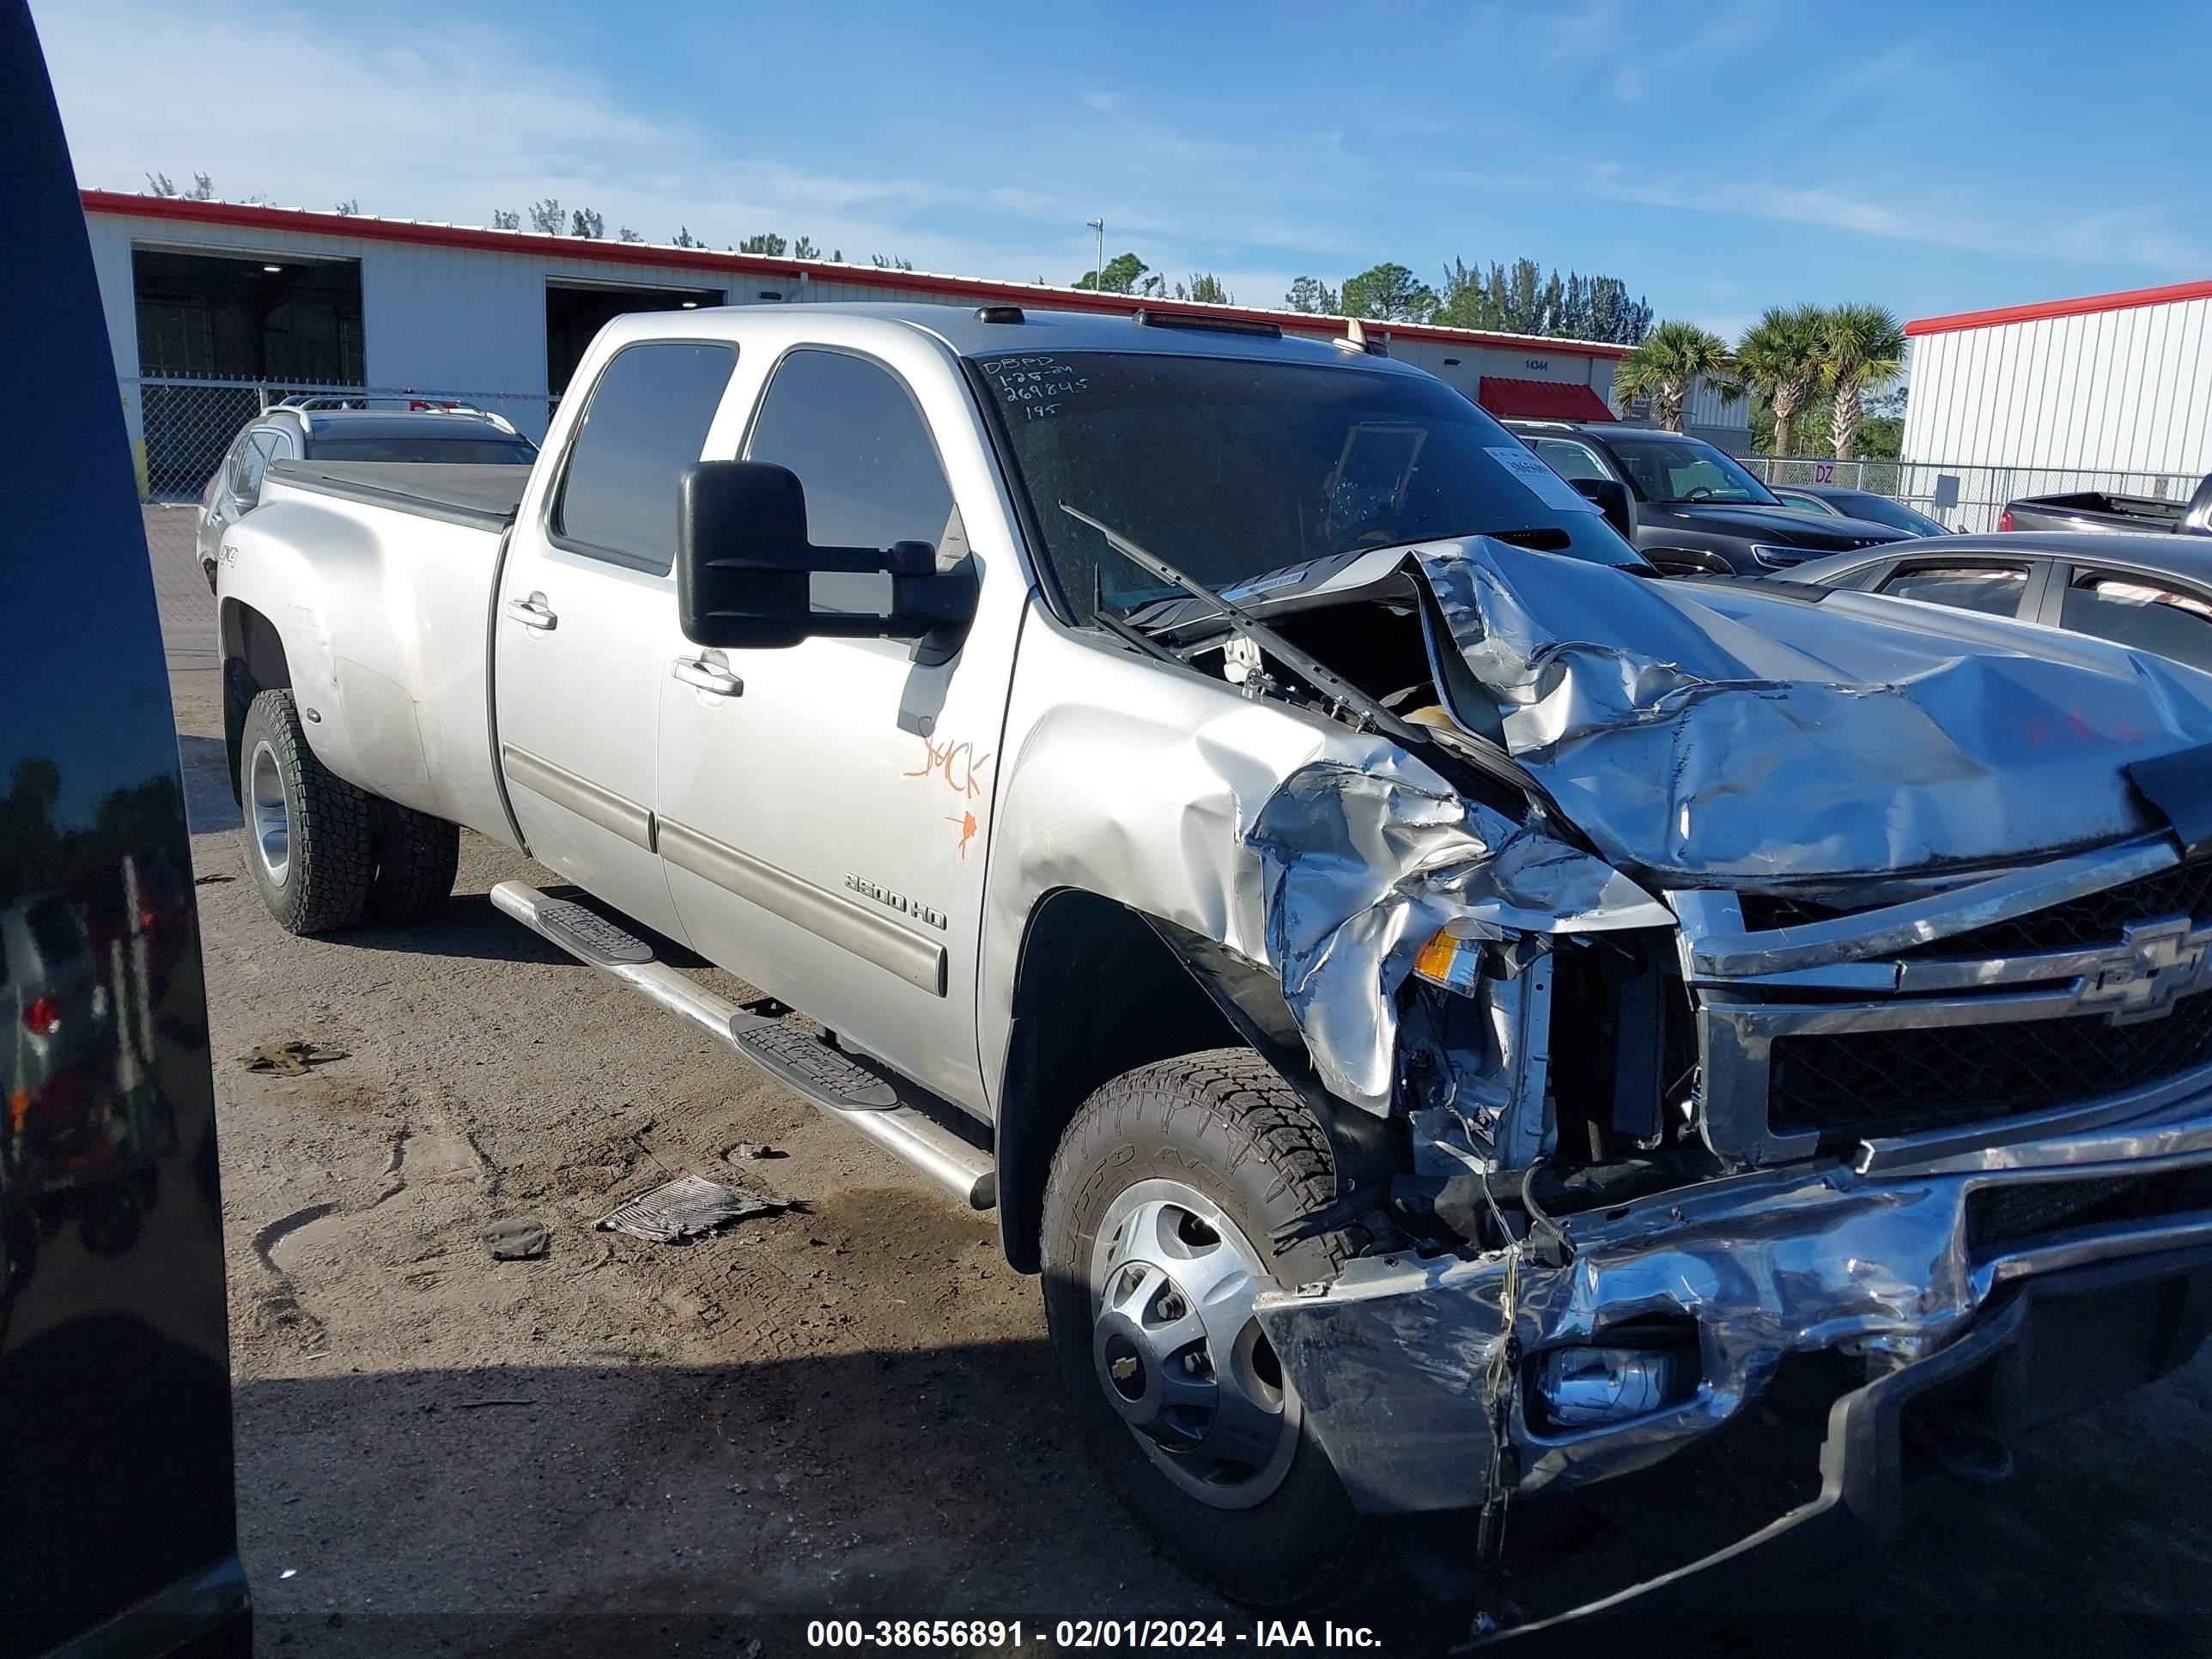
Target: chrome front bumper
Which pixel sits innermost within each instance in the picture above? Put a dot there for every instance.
(1398, 1361)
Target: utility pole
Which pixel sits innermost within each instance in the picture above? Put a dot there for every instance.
(1098, 271)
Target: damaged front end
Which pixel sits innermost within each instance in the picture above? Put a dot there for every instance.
(1828, 1030)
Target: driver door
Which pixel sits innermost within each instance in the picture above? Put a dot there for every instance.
(824, 807)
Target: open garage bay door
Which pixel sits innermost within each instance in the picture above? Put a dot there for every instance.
(208, 318)
(576, 311)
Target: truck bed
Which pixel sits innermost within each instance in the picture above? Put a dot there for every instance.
(2096, 509)
(397, 561)
(481, 497)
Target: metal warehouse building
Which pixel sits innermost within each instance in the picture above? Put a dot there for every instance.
(2110, 392)
(212, 307)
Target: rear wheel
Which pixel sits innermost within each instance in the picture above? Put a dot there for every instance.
(416, 858)
(1162, 1198)
(306, 829)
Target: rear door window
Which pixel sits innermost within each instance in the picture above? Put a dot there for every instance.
(251, 461)
(646, 422)
(1570, 460)
(1995, 590)
(2131, 608)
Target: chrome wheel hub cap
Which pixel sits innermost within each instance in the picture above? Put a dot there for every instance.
(268, 815)
(1177, 1352)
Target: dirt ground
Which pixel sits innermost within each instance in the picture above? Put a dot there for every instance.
(846, 1410)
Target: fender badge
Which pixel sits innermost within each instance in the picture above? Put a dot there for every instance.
(898, 902)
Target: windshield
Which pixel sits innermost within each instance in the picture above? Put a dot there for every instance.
(1672, 471)
(1229, 467)
(456, 452)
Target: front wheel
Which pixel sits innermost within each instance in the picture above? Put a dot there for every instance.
(1162, 1198)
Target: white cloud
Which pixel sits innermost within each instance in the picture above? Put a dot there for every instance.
(457, 124)
(2137, 237)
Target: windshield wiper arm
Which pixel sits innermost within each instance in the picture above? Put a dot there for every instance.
(1487, 756)
(1114, 623)
(1363, 710)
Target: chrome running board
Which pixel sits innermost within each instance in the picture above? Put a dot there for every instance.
(876, 1101)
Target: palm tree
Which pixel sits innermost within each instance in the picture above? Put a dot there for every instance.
(1861, 346)
(1779, 357)
(1672, 357)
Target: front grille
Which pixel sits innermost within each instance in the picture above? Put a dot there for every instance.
(1764, 910)
(2092, 920)
(2005, 1217)
(1848, 1084)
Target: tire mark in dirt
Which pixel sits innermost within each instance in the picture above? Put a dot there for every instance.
(266, 1241)
(278, 1306)
(395, 1179)
(487, 1171)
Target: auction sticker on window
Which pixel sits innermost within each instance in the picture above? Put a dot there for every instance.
(1547, 486)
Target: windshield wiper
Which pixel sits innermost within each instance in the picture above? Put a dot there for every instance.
(1352, 704)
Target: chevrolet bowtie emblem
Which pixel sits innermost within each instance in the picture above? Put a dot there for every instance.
(2154, 963)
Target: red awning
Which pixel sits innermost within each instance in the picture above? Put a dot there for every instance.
(1541, 400)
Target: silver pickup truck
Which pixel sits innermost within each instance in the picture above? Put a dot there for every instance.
(1458, 1023)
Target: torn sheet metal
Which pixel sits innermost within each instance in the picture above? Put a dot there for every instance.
(684, 1208)
(1727, 731)
(1389, 1361)
(1360, 868)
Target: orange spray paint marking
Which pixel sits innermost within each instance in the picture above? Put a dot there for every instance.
(958, 763)
(967, 823)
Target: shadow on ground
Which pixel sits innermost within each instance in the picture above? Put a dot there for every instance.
(208, 803)
(563, 1512)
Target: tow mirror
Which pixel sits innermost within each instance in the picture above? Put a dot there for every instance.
(1610, 497)
(747, 577)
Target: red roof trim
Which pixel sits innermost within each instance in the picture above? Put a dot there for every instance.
(1541, 400)
(2087, 304)
(362, 227)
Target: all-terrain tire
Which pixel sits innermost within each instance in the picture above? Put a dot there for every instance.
(417, 856)
(1224, 1124)
(323, 880)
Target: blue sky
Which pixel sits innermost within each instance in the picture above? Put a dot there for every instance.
(1719, 158)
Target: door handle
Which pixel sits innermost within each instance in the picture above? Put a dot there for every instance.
(710, 677)
(532, 613)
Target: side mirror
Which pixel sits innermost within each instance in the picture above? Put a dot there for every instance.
(1688, 562)
(1611, 498)
(747, 577)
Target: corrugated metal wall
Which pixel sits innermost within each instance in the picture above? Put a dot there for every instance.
(2124, 389)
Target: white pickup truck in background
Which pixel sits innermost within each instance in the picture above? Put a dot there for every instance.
(1456, 1019)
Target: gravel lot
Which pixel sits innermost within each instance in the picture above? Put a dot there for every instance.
(845, 1410)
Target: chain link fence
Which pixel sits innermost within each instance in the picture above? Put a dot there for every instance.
(180, 427)
(1967, 497)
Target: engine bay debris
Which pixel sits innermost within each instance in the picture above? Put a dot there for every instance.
(688, 1206)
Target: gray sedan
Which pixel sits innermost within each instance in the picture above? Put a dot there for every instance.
(1831, 501)
(2151, 592)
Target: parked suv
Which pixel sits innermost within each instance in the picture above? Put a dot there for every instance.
(1688, 505)
(334, 429)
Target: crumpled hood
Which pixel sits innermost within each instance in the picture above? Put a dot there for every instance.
(1723, 731)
